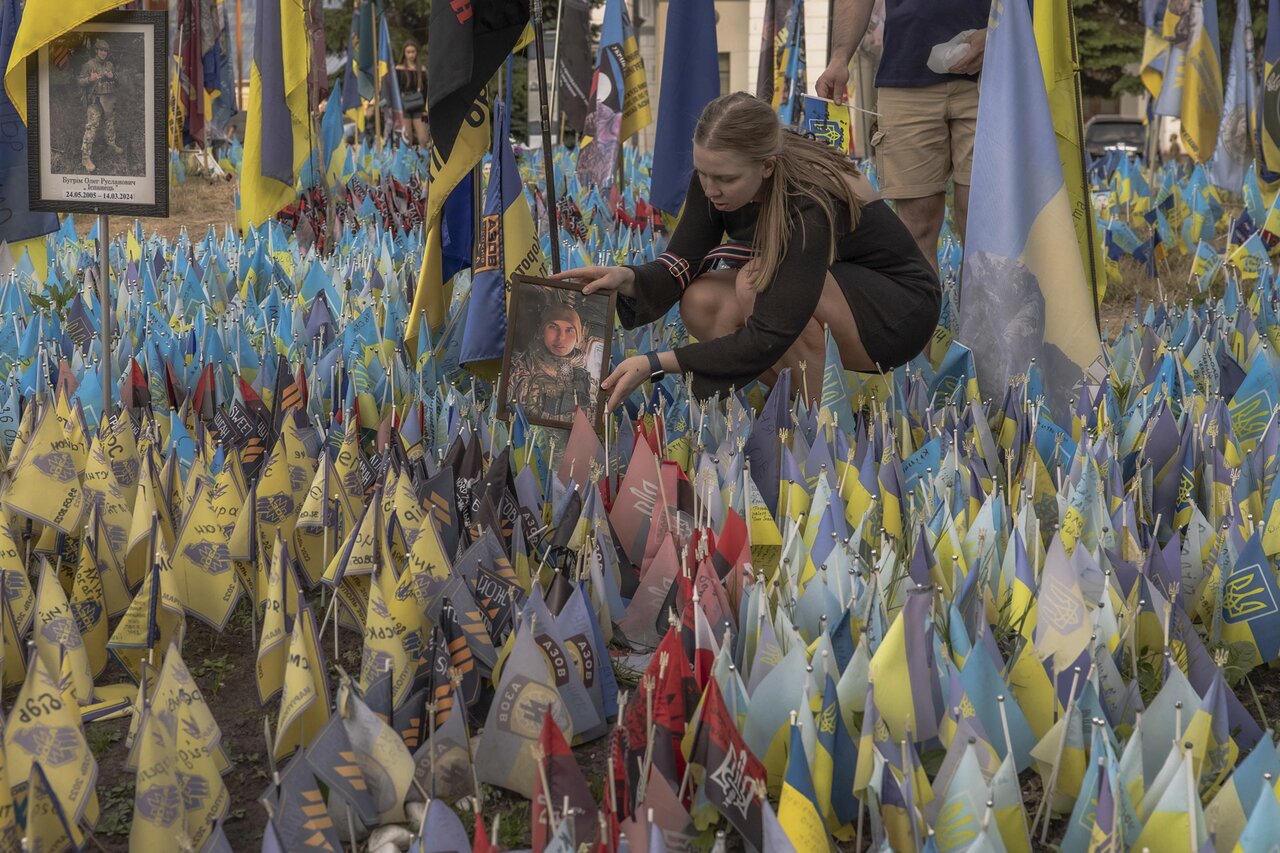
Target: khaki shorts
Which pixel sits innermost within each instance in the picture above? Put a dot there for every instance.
(925, 136)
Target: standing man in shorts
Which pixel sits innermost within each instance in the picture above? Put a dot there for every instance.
(925, 130)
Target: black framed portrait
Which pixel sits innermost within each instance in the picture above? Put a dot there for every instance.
(97, 118)
(558, 346)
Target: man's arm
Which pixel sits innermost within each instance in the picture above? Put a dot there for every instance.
(848, 28)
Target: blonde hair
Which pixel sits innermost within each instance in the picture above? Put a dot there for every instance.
(747, 126)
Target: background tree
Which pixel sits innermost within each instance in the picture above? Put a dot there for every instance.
(1109, 36)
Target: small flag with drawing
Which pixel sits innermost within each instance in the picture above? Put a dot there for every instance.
(828, 122)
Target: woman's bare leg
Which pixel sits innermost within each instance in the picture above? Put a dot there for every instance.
(420, 131)
(718, 303)
(709, 307)
(810, 349)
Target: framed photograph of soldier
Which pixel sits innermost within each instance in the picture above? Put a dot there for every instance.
(97, 118)
(557, 351)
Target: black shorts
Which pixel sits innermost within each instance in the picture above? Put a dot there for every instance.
(895, 317)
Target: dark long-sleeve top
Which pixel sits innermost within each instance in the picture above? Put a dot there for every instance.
(787, 304)
(411, 79)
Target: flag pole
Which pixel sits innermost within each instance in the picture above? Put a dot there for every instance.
(548, 161)
(239, 55)
(555, 74)
(377, 79)
(104, 305)
(1090, 236)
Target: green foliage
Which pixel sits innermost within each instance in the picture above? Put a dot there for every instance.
(216, 670)
(1109, 37)
(100, 739)
(56, 298)
(116, 803)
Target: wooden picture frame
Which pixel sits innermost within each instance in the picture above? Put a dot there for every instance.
(559, 342)
(119, 126)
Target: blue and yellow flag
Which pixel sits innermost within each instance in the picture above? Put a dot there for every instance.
(798, 812)
(1250, 602)
(1202, 82)
(49, 22)
(278, 125)
(1268, 99)
(1155, 50)
(432, 296)
(827, 122)
(21, 224)
(789, 69)
(691, 80)
(1230, 163)
(1025, 295)
(508, 246)
(1055, 29)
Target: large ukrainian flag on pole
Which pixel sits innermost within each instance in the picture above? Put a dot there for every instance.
(277, 138)
(1055, 29)
(1268, 99)
(1024, 293)
(41, 24)
(1202, 82)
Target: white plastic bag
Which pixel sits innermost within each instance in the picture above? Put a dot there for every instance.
(944, 56)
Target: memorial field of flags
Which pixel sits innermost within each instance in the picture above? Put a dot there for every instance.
(975, 604)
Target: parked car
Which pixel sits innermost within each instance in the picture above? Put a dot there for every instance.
(1103, 132)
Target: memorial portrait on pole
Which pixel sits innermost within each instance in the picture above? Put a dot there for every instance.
(97, 118)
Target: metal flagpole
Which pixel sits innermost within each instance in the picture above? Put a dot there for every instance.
(239, 57)
(548, 164)
(555, 74)
(104, 304)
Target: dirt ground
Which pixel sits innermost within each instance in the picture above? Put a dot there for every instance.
(194, 205)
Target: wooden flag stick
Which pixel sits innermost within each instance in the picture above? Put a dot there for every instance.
(1044, 807)
(541, 758)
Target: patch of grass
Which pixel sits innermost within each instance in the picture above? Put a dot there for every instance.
(241, 622)
(100, 739)
(512, 814)
(216, 670)
(116, 803)
(250, 764)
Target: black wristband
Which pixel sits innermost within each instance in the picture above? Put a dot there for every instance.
(655, 367)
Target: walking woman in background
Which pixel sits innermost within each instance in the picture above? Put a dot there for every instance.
(412, 77)
(811, 247)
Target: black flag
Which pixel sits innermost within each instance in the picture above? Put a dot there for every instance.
(576, 63)
(469, 39)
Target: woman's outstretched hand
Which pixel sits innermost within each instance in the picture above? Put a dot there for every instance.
(625, 379)
(598, 279)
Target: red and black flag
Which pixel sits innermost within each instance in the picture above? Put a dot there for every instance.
(204, 401)
(137, 395)
(470, 39)
(565, 781)
(191, 71)
(733, 780)
(670, 678)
